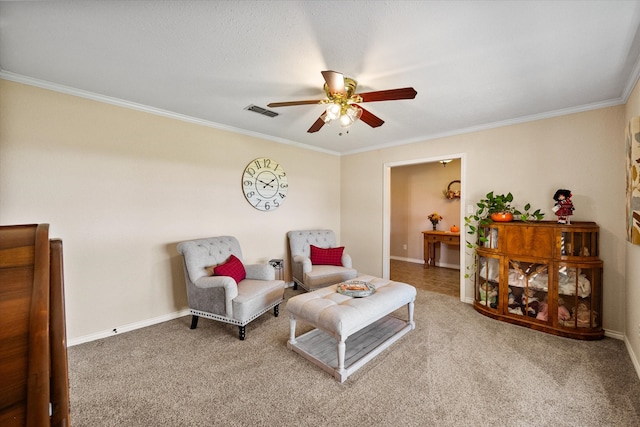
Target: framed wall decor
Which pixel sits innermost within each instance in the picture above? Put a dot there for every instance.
(453, 190)
(632, 146)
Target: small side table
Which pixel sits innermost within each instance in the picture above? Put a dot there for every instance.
(278, 265)
(433, 238)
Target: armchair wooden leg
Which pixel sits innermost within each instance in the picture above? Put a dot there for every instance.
(276, 310)
(194, 321)
(242, 332)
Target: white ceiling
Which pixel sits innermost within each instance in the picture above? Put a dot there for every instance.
(474, 64)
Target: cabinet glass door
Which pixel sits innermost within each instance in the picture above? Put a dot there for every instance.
(578, 243)
(488, 237)
(529, 289)
(487, 281)
(579, 295)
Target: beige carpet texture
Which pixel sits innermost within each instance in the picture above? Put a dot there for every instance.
(457, 368)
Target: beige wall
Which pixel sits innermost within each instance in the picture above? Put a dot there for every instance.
(417, 191)
(122, 187)
(632, 272)
(583, 152)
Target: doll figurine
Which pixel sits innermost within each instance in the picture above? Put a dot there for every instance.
(563, 207)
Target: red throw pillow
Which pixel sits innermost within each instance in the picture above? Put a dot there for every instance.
(326, 256)
(232, 267)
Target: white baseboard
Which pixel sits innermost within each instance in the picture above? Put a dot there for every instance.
(127, 328)
(633, 357)
(133, 326)
(614, 334)
(421, 261)
(467, 300)
(414, 260)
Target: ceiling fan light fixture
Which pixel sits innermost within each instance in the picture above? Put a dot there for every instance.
(354, 112)
(349, 114)
(346, 121)
(333, 111)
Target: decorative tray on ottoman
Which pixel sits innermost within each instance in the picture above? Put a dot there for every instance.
(356, 288)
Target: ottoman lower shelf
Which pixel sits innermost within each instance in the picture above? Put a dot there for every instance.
(321, 348)
(368, 325)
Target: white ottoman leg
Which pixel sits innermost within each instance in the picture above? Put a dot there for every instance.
(411, 322)
(292, 331)
(341, 351)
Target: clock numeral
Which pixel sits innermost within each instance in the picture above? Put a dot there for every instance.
(251, 172)
(265, 163)
(267, 206)
(247, 183)
(250, 194)
(284, 185)
(282, 175)
(282, 196)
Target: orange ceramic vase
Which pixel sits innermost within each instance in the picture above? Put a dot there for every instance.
(502, 216)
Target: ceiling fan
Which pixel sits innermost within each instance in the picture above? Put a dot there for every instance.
(343, 103)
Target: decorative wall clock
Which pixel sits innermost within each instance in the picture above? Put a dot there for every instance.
(264, 184)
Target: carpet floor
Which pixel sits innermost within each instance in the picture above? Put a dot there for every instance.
(457, 368)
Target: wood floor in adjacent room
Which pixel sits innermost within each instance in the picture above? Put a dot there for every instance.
(436, 279)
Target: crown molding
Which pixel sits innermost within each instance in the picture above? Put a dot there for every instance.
(43, 84)
(157, 111)
(502, 123)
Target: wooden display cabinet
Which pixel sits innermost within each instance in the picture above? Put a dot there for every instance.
(542, 275)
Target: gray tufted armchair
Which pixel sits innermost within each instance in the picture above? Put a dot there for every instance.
(312, 277)
(219, 297)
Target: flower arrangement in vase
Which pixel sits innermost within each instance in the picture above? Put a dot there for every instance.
(435, 218)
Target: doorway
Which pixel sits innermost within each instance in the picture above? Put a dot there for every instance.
(413, 190)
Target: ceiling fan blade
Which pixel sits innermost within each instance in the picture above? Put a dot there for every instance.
(317, 125)
(335, 82)
(290, 103)
(370, 119)
(389, 95)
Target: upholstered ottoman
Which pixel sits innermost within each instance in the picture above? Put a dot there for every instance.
(349, 331)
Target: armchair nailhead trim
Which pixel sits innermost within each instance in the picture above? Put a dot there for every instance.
(229, 319)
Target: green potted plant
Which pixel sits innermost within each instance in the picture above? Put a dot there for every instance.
(495, 207)
(498, 207)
